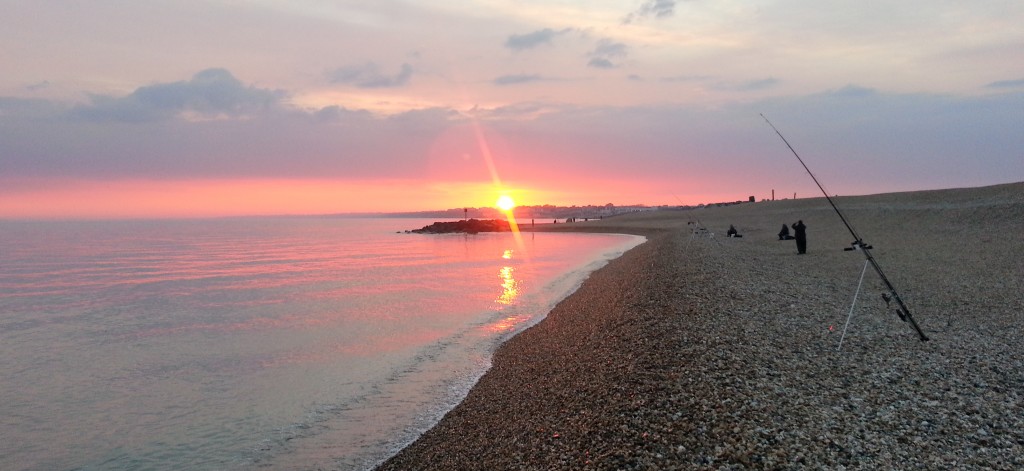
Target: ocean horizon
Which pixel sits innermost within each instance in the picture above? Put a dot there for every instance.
(278, 342)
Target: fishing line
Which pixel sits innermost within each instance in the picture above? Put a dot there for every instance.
(858, 244)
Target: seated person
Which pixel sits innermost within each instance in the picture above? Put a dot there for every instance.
(784, 233)
(732, 232)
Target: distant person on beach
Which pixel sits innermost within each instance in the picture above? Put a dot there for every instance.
(800, 230)
(784, 233)
(732, 232)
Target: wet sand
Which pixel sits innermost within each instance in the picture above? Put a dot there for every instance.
(698, 351)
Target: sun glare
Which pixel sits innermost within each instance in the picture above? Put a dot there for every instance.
(505, 203)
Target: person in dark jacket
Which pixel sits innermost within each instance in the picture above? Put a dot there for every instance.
(784, 233)
(800, 231)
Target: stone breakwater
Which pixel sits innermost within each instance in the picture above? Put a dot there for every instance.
(470, 226)
(695, 351)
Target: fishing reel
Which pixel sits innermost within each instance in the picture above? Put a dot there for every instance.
(857, 245)
(899, 312)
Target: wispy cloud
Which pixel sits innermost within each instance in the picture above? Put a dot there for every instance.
(369, 75)
(38, 86)
(853, 91)
(655, 8)
(686, 78)
(1019, 83)
(517, 79)
(605, 51)
(752, 85)
(336, 113)
(29, 108)
(210, 93)
(519, 42)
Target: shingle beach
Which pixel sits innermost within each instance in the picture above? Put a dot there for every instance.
(695, 351)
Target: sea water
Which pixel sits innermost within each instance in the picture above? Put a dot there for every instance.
(275, 343)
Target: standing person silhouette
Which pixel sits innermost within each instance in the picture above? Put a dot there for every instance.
(800, 231)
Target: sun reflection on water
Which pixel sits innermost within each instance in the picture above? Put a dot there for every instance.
(510, 292)
(505, 324)
(509, 286)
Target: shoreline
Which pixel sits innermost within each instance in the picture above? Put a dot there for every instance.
(690, 352)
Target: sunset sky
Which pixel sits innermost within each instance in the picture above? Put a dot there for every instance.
(178, 108)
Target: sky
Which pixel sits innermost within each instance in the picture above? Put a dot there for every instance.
(192, 108)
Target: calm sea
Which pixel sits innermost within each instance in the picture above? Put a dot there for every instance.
(275, 343)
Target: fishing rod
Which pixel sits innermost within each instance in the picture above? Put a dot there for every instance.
(858, 244)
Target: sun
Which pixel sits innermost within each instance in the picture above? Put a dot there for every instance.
(505, 203)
